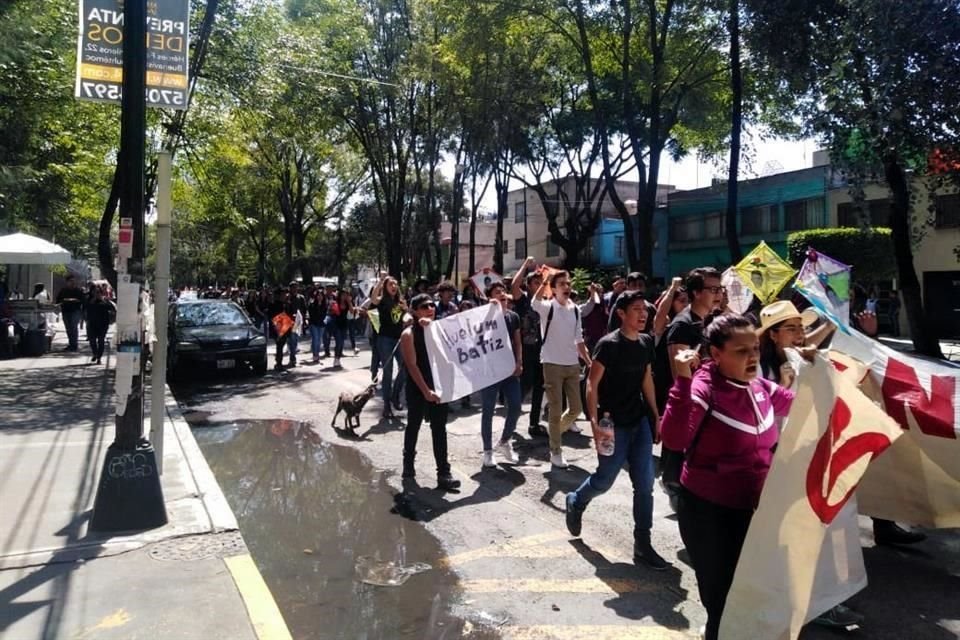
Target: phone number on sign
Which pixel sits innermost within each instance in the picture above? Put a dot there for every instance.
(105, 91)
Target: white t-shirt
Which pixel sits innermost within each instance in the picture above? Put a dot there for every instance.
(566, 332)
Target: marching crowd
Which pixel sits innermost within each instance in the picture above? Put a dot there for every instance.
(712, 385)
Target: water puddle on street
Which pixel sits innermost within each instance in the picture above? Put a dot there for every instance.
(316, 518)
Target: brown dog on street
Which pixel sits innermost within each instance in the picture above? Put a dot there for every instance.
(352, 405)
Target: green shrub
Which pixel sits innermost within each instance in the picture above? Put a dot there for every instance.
(868, 251)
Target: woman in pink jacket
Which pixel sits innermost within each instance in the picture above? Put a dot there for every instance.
(723, 417)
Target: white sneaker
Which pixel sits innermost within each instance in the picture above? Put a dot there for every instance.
(336, 363)
(488, 460)
(557, 460)
(505, 451)
(575, 428)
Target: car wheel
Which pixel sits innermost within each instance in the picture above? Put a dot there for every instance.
(260, 367)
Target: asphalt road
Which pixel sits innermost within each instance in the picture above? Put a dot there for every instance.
(504, 534)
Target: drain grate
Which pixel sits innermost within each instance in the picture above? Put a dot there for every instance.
(200, 547)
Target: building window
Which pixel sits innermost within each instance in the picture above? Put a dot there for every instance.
(871, 213)
(713, 226)
(552, 250)
(802, 214)
(519, 248)
(519, 211)
(948, 211)
(685, 229)
(506, 247)
(759, 220)
(618, 247)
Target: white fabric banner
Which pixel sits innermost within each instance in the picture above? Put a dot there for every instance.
(802, 553)
(918, 480)
(469, 351)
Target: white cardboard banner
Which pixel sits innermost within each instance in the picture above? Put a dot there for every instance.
(918, 480)
(469, 351)
(802, 552)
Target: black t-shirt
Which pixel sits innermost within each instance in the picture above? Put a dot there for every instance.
(625, 364)
(529, 321)
(391, 318)
(686, 328)
(75, 302)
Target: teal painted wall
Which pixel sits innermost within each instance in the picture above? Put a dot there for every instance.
(774, 191)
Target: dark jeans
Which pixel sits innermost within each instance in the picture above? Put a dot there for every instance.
(713, 535)
(281, 343)
(419, 409)
(71, 321)
(532, 381)
(389, 353)
(97, 338)
(633, 444)
(510, 387)
(374, 354)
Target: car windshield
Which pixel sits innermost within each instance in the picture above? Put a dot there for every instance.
(205, 314)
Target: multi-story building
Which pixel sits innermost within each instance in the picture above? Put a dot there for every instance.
(772, 207)
(525, 230)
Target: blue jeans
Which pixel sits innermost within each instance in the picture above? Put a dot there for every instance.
(71, 321)
(388, 354)
(292, 341)
(633, 445)
(337, 332)
(316, 337)
(511, 395)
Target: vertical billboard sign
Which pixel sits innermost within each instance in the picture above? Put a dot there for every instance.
(100, 52)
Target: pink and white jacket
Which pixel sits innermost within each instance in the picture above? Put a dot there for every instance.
(730, 430)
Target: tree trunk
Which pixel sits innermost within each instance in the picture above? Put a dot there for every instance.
(104, 247)
(736, 126)
(502, 213)
(472, 260)
(922, 331)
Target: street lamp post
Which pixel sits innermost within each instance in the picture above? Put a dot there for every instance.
(129, 496)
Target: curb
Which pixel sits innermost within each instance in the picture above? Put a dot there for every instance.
(262, 609)
(219, 513)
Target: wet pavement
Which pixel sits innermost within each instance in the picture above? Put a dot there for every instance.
(317, 520)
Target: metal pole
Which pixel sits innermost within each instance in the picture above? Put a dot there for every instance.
(129, 495)
(160, 308)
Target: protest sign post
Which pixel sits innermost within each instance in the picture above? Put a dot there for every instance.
(469, 351)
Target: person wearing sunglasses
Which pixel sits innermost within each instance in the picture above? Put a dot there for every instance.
(423, 402)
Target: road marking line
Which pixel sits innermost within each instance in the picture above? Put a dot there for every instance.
(596, 632)
(536, 585)
(529, 547)
(262, 609)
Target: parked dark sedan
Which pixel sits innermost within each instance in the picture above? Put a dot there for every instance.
(213, 333)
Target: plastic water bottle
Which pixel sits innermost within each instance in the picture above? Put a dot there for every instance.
(606, 445)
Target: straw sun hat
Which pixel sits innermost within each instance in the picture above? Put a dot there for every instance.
(777, 312)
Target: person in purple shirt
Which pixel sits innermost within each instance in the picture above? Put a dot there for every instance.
(723, 418)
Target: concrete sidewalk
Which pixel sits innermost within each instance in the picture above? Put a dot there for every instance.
(191, 578)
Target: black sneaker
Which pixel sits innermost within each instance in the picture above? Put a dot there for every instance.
(537, 431)
(447, 482)
(574, 515)
(643, 552)
(840, 617)
(889, 533)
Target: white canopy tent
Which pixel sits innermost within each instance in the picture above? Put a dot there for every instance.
(20, 248)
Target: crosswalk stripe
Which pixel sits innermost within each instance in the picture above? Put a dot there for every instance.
(536, 585)
(596, 632)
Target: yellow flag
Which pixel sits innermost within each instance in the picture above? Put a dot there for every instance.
(764, 272)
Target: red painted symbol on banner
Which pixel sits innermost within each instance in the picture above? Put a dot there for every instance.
(125, 236)
(830, 461)
(934, 414)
